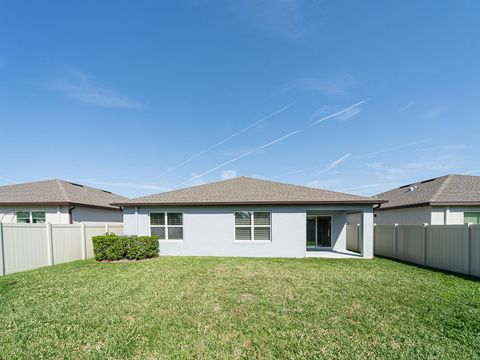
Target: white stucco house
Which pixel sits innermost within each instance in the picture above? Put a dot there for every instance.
(447, 200)
(57, 202)
(249, 217)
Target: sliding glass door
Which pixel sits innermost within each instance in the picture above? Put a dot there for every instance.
(319, 231)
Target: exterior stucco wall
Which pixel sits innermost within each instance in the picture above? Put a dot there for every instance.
(407, 216)
(53, 214)
(59, 214)
(432, 215)
(210, 231)
(94, 215)
(453, 215)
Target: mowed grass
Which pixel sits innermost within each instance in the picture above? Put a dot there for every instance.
(183, 307)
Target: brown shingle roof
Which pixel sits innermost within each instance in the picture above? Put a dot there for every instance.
(57, 192)
(446, 190)
(244, 190)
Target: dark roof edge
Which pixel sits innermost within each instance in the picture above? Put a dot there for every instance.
(226, 203)
(52, 203)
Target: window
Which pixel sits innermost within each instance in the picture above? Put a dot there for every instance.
(38, 217)
(31, 217)
(252, 225)
(472, 218)
(23, 217)
(167, 225)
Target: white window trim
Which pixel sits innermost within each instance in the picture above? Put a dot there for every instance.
(252, 226)
(166, 226)
(30, 213)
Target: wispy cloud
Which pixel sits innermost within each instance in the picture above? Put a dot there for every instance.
(290, 19)
(85, 88)
(335, 85)
(228, 174)
(347, 113)
(223, 141)
(435, 112)
(393, 148)
(280, 139)
(334, 164)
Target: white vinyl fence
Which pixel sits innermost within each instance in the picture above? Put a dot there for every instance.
(449, 247)
(353, 237)
(29, 246)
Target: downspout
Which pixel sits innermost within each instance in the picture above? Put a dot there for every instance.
(70, 215)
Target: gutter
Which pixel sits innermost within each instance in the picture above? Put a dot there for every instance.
(227, 203)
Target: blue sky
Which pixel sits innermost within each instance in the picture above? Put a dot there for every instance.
(139, 97)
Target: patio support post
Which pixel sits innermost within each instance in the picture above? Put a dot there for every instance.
(367, 233)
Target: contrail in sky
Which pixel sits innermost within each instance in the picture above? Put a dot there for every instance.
(340, 112)
(193, 157)
(391, 149)
(280, 139)
(331, 166)
(334, 164)
(220, 166)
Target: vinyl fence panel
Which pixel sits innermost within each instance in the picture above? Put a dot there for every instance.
(353, 237)
(29, 246)
(67, 243)
(25, 247)
(384, 240)
(475, 250)
(411, 243)
(117, 229)
(448, 247)
(91, 231)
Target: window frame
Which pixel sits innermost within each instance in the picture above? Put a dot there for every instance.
(252, 227)
(476, 214)
(166, 226)
(30, 216)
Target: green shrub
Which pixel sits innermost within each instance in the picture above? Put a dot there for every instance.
(114, 247)
(141, 247)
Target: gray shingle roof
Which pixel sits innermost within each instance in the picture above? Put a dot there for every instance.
(244, 190)
(57, 192)
(446, 190)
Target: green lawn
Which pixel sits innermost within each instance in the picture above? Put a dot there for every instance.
(179, 307)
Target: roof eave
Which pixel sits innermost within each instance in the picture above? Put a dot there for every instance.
(56, 203)
(226, 203)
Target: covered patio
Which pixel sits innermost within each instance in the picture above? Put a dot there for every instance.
(328, 234)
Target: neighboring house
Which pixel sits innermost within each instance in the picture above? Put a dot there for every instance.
(249, 217)
(57, 202)
(446, 200)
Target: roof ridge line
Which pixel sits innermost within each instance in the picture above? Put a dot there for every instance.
(442, 187)
(63, 191)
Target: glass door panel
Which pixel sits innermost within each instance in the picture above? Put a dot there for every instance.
(324, 225)
(311, 232)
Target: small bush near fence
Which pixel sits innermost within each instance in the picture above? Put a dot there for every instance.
(114, 247)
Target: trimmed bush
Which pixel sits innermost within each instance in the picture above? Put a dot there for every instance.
(114, 247)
